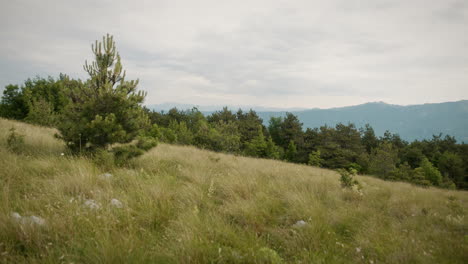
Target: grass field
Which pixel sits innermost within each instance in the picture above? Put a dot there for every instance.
(185, 205)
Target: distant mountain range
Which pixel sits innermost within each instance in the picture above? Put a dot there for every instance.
(410, 122)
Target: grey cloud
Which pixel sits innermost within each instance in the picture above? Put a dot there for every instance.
(270, 53)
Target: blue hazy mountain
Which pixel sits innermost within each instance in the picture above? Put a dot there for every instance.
(410, 122)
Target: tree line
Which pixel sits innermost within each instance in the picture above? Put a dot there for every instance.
(94, 114)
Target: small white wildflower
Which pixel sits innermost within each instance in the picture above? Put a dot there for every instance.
(116, 203)
(358, 250)
(62, 154)
(91, 204)
(340, 244)
(300, 223)
(371, 261)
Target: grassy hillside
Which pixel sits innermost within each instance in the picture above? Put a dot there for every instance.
(185, 205)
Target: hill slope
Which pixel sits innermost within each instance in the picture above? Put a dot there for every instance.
(185, 205)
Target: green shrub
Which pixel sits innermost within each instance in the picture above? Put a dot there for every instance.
(15, 141)
(431, 173)
(268, 255)
(347, 178)
(104, 159)
(419, 178)
(146, 143)
(315, 159)
(123, 154)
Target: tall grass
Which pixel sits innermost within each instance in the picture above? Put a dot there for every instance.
(185, 205)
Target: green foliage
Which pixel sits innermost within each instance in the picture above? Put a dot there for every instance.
(268, 256)
(155, 132)
(257, 147)
(291, 152)
(347, 178)
(168, 135)
(272, 151)
(339, 146)
(290, 130)
(404, 172)
(38, 101)
(248, 124)
(451, 165)
(431, 173)
(123, 154)
(419, 177)
(368, 138)
(41, 113)
(146, 143)
(15, 141)
(382, 160)
(315, 159)
(104, 159)
(13, 104)
(106, 109)
(219, 137)
(182, 133)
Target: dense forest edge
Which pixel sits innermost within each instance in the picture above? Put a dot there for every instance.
(93, 116)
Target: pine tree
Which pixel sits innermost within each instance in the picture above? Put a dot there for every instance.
(315, 159)
(106, 109)
(257, 147)
(291, 152)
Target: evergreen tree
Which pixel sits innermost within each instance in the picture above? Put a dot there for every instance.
(314, 159)
(451, 165)
(368, 138)
(248, 125)
(431, 173)
(291, 152)
(106, 109)
(272, 150)
(257, 147)
(13, 104)
(291, 129)
(383, 160)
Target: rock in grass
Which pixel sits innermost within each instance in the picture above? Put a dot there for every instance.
(116, 203)
(105, 176)
(16, 216)
(32, 220)
(36, 220)
(91, 204)
(300, 223)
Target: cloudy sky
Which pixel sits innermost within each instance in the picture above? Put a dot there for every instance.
(265, 53)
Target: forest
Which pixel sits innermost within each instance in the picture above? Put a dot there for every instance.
(440, 161)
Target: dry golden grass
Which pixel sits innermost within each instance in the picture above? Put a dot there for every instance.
(185, 205)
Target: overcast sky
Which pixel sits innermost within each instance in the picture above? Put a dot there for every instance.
(265, 53)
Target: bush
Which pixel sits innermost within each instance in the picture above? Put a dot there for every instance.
(123, 154)
(419, 178)
(15, 141)
(347, 178)
(430, 172)
(104, 159)
(315, 159)
(146, 143)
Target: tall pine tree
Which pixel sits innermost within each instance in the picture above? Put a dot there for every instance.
(105, 109)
